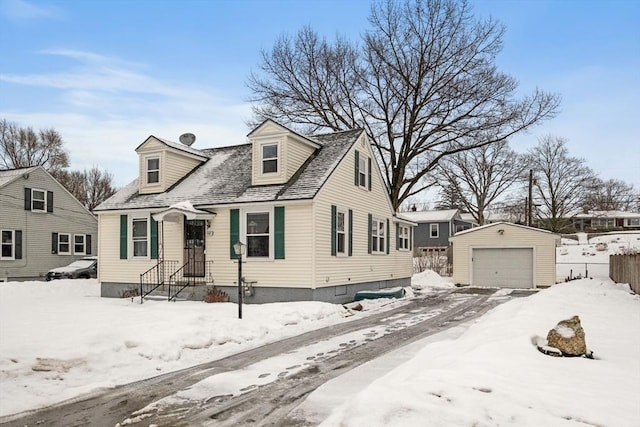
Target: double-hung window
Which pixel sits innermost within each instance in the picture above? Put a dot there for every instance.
(270, 157)
(434, 231)
(38, 200)
(258, 234)
(362, 171)
(64, 244)
(403, 237)
(377, 236)
(8, 240)
(79, 244)
(140, 236)
(341, 232)
(153, 170)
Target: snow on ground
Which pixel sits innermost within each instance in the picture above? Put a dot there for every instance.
(430, 280)
(592, 259)
(59, 339)
(491, 374)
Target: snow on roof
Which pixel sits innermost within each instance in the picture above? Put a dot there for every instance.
(431, 216)
(501, 224)
(8, 175)
(607, 214)
(226, 178)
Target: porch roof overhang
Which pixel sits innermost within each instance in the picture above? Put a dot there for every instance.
(177, 211)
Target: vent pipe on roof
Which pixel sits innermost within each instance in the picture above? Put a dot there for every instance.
(187, 139)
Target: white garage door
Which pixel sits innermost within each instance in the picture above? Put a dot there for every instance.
(503, 267)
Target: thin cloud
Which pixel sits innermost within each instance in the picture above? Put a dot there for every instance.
(20, 11)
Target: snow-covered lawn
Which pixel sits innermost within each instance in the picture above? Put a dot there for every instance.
(592, 259)
(492, 375)
(60, 339)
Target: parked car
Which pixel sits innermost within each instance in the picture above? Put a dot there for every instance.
(84, 268)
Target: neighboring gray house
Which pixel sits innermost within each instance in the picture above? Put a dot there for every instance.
(431, 236)
(42, 225)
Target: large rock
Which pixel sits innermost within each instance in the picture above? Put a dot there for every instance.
(568, 337)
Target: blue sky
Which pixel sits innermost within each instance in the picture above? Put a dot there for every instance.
(106, 74)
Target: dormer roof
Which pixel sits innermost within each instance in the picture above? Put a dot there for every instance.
(175, 146)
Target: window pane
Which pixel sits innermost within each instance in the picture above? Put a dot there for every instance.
(258, 223)
(7, 236)
(258, 246)
(140, 248)
(341, 242)
(139, 228)
(153, 164)
(269, 151)
(153, 177)
(269, 166)
(6, 251)
(63, 238)
(340, 224)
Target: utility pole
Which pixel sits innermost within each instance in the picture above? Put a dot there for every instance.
(530, 202)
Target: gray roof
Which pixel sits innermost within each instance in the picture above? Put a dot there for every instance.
(8, 175)
(226, 178)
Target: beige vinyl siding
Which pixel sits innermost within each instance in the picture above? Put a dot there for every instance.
(543, 245)
(68, 216)
(296, 154)
(361, 267)
(175, 167)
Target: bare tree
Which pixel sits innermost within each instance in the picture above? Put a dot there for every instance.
(91, 187)
(23, 147)
(561, 181)
(481, 176)
(423, 83)
(612, 194)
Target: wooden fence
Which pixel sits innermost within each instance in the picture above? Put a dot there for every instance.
(625, 269)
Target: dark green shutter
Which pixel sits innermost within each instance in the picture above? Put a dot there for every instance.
(87, 244)
(357, 168)
(397, 236)
(334, 219)
(49, 201)
(388, 236)
(27, 199)
(278, 220)
(350, 232)
(234, 231)
(124, 219)
(154, 238)
(54, 243)
(369, 226)
(369, 172)
(411, 238)
(18, 243)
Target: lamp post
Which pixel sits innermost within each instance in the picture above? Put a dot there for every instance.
(238, 248)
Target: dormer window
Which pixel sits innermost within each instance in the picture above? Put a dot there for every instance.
(270, 157)
(153, 170)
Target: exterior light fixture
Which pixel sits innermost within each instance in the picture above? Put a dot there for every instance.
(239, 249)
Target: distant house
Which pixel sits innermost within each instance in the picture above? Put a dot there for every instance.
(606, 220)
(43, 226)
(312, 212)
(434, 229)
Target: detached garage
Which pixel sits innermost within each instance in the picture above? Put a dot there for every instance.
(505, 255)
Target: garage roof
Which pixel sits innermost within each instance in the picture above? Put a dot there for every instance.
(501, 224)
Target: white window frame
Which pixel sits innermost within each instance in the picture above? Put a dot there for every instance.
(632, 222)
(133, 240)
(379, 236)
(433, 227)
(344, 232)
(270, 234)
(84, 244)
(12, 244)
(68, 243)
(149, 171)
(269, 159)
(363, 161)
(43, 200)
(403, 237)
(603, 222)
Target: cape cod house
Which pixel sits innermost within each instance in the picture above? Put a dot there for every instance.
(42, 225)
(312, 212)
